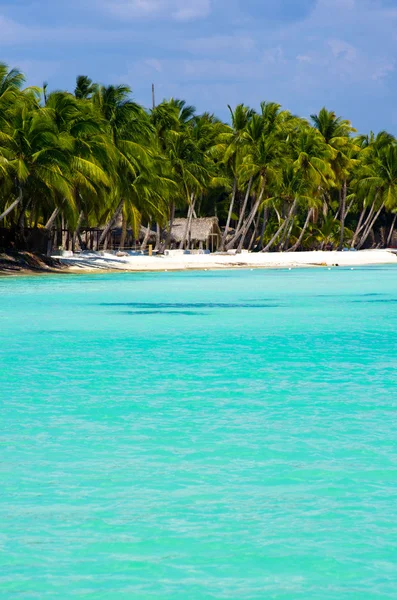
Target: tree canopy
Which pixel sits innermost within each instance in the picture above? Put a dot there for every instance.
(276, 181)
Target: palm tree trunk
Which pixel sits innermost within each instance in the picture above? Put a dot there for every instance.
(10, 209)
(13, 205)
(50, 226)
(184, 235)
(83, 245)
(123, 233)
(64, 233)
(195, 213)
(242, 233)
(21, 218)
(281, 228)
(189, 225)
(358, 228)
(77, 230)
(188, 221)
(288, 236)
(243, 208)
(302, 233)
(240, 226)
(255, 232)
(390, 236)
(263, 229)
(279, 219)
(251, 216)
(343, 194)
(169, 228)
(146, 238)
(274, 238)
(369, 216)
(51, 220)
(158, 236)
(104, 235)
(50, 241)
(370, 227)
(229, 216)
(288, 230)
(349, 208)
(367, 220)
(283, 237)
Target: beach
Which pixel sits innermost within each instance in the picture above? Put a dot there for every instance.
(178, 261)
(27, 263)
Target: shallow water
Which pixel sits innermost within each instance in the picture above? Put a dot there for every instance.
(227, 435)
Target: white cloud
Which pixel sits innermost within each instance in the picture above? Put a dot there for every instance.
(220, 43)
(193, 9)
(382, 71)
(338, 54)
(337, 4)
(154, 64)
(11, 31)
(304, 58)
(17, 34)
(343, 50)
(179, 10)
(274, 55)
(134, 8)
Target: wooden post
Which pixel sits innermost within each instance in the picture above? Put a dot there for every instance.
(150, 250)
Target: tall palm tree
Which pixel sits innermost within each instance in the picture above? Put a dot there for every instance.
(379, 182)
(265, 155)
(130, 132)
(312, 156)
(229, 150)
(37, 160)
(336, 133)
(91, 154)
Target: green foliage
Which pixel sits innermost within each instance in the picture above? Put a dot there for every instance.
(95, 154)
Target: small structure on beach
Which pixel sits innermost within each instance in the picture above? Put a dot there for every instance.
(202, 234)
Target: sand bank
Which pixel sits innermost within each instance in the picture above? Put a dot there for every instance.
(275, 260)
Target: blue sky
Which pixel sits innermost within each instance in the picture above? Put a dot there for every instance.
(303, 54)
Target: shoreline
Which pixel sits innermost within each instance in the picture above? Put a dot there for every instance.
(186, 262)
(28, 264)
(14, 263)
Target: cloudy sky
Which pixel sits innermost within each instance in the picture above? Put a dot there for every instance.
(301, 53)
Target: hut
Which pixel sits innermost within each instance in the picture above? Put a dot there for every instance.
(204, 233)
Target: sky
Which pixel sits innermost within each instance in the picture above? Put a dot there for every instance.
(303, 54)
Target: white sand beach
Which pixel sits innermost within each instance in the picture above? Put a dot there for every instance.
(178, 261)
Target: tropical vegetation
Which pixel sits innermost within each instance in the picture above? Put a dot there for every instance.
(94, 158)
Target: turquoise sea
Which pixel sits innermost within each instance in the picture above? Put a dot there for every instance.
(187, 436)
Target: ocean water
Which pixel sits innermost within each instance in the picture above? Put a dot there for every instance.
(186, 436)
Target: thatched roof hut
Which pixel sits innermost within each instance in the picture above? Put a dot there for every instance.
(203, 232)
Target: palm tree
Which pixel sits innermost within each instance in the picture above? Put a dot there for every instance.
(36, 159)
(130, 132)
(85, 88)
(264, 156)
(378, 180)
(312, 156)
(11, 79)
(229, 151)
(203, 132)
(336, 134)
(91, 153)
